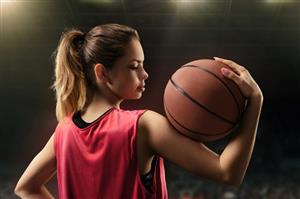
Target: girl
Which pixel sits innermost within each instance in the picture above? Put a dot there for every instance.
(99, 150)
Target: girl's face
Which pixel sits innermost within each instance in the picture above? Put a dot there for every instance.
(127, 76)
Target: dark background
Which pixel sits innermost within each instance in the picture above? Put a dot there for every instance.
(262, 35)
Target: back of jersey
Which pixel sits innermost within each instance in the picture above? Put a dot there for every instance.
(100, 160)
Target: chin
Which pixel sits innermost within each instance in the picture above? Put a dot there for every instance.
(135, 97)
(138, 97)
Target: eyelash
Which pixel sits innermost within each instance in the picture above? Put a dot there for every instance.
(134, 67)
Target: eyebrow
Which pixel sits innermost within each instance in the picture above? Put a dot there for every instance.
(139, 61)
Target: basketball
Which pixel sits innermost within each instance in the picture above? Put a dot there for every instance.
(201, 103)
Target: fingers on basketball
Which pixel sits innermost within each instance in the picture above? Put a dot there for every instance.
(234, 66)
(236, 78)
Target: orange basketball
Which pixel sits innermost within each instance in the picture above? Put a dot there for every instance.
(201, 103)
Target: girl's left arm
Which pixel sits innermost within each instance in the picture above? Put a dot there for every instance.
(41, 169)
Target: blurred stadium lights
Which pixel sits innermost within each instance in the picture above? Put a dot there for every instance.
(189, 4)
(99, 1)
(14, 16)
(7, 7)
(189, 1)
(4, 3)
(280, 1)
(10, 8)
(8, 1)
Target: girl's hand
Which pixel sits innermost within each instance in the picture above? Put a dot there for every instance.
(242, 78)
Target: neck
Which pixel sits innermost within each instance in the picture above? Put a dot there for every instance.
(103, 100)
(98, 105)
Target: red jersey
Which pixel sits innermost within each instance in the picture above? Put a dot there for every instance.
(100, 160)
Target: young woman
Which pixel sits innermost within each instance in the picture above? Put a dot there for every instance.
(99, 150)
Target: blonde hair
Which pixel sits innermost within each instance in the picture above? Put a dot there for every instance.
(75, 56)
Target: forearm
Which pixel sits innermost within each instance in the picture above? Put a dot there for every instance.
(42, 193)
(236, 156)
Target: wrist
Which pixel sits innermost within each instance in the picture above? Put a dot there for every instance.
(256, 98)
(256, 95)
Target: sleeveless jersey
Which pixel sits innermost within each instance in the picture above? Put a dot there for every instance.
(100, 161)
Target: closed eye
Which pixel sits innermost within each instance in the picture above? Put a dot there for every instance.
(133, 67)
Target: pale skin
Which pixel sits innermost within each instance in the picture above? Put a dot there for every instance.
(155, 134)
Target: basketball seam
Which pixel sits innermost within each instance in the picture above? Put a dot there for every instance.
(181, 91)
(226, 86)
(196, 132)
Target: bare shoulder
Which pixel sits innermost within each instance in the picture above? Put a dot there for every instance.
(189, 154)
(153, 127)
(156, 126)
(149, 118)
(162, 137)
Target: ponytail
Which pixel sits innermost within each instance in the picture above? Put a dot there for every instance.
(69, 84)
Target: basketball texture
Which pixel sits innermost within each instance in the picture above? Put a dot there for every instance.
(201, 103)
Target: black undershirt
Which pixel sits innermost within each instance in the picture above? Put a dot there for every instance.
(147, 179)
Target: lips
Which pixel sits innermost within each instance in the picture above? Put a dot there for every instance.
(142, 87)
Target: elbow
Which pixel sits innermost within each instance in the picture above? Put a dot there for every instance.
(20, 190)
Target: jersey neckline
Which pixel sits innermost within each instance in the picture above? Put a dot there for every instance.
(81, 124)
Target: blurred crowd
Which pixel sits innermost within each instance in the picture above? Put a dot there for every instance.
(259, 187)
(190, 187)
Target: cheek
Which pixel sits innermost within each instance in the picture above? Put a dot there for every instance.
(126, 85)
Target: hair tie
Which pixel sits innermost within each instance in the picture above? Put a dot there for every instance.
(79, 40)
(83, 35)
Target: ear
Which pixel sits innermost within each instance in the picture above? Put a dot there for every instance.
(101, 73)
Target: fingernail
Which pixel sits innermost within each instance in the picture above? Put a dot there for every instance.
(216, 58)
(225, 71)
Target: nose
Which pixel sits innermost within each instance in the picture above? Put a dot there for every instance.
(144, 74)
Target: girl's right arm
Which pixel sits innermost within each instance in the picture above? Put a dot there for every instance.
(228, 167)
(195, 157)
